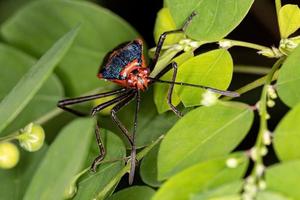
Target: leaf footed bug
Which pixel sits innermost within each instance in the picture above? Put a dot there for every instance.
(125, 66)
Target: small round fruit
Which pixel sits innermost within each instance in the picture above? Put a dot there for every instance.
(9, 155)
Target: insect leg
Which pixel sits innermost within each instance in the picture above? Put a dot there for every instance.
(100, 143)
(163, 37)
(117, 108)
(214, 90)
(170, 91)
(133, 147)
(65, 102)
(102, 151)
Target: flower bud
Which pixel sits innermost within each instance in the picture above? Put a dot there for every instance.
(225, 44)
(270, 52)
(209, 98)
(260, 168)
(253, 153)
(9, 155)
(263, 151)
(271, 92)
(270, 103)
(267, 137)
(232, 162)
(286, 46)
(32, 137)
(262, 185)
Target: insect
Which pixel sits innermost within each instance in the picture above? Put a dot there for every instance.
(125, 65)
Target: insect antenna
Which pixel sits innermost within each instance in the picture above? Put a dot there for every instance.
(222, 92)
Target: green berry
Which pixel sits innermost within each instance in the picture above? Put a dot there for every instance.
(32, 137)
(9, 155)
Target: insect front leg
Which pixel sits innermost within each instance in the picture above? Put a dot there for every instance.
(171, 89)
(163, 37)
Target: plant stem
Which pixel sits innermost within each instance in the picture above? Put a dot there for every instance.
(251, 70)
(256, 152)
(53, 113)
(263, 105)
(245, 44)
(257, 83)
(9, 137)
(101, 195)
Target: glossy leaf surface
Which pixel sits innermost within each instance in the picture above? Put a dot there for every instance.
(133, 193)
(204, 133)
(284, 179)
(92, 183)
(65, 157)
(200, 177)
(33, 80)
(213, 69)
(287, 136)
(289, 20)
(216, 18)
(289, 79)
(101, 31)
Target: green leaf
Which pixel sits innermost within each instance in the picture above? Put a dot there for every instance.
(227, 189)
(270, 195)
(287, 136)
(63, 160)
(284, 178)
(215, 18)
(133, 193)
(33, 80)
(213, 69)
(289, 79)
(204, 133)
(161, 90)
(164, 22)
(9, 7)
(148, 168)
(289, 20)
(101, 31)
(14, 64)
(110, 186)
(14, 182)
(164, 60)
(202, 176)
(92, 183)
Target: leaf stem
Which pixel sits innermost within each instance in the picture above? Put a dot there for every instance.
(10, 137)
(243, 44)
(257, 83)
(260, 150)
(245, 69)
(263, 106)
(101, 195)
